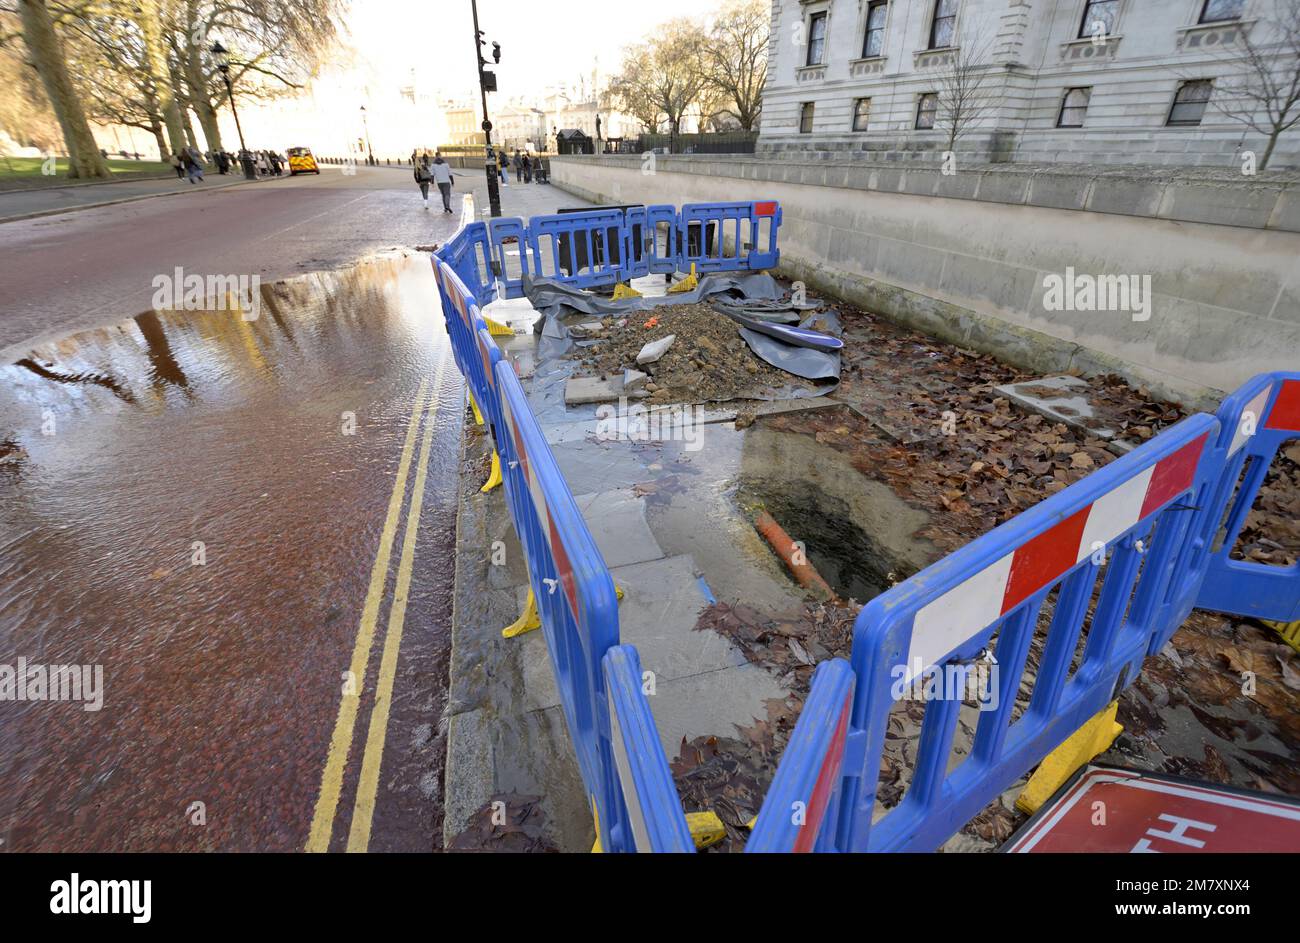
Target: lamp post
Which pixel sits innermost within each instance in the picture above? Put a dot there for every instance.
(222, 57)
(370, 151)
(487, 82)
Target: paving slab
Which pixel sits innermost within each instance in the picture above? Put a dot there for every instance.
(661, 603)
(617, 521)
(1062, 399)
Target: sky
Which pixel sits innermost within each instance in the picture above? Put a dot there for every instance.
(543, 43)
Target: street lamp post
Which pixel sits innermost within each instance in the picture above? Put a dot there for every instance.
(222, 57)
(370, 151)
(487, 82)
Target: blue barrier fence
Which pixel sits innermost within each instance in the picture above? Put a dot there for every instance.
(602, 247)
(614, 738)
(1256, 422)
(1091, 581)
(806, 791)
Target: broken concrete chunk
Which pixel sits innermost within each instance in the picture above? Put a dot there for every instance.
(655, 349)
(633, 379)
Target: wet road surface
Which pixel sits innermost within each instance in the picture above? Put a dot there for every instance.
(218, 514)
(59, 274)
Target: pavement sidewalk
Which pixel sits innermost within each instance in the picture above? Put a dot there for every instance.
(47, 201)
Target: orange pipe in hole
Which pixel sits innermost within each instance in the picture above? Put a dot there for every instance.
(805, 573)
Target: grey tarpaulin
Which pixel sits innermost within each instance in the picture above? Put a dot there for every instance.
(801, 361)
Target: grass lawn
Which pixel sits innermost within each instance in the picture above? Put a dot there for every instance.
(24, 172)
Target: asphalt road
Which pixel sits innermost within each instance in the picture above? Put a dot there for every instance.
(246, 526)
(88, 267)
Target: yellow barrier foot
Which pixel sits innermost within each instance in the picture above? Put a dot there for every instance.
(618, 591)
(1290, 632)
(494, 477)
(689, 283)
(478, 416)
(526, 622)
(497, 329)
(622, 291)
(1092, 739)
(706, 828)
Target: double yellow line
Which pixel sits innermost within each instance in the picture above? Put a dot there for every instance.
(322, 824)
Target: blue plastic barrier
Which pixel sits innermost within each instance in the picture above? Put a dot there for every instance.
(1256, 421)
(1134, 516)
(646, 256)
(575, 598)
(582, 249)
(655, 817)
(505, 233)
(802, 805)
(729, 237)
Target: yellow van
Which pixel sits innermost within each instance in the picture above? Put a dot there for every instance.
(301, 161)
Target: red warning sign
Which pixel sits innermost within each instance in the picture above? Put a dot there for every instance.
(1106, 809)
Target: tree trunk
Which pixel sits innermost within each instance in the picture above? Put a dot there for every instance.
(1268, 151)
(155, 57)
(157, 129)
(84, 159)
(199, 97)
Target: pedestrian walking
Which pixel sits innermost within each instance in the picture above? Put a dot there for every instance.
(177, 166)
(423, 177)
(519, 167)
(442, 176)
(223, 163)
(193, 165)
(528, 169)
(505, 165)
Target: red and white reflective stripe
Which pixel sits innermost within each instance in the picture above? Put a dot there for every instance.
(563, 568)
(806, 840)
(981, 600)
(1249, 422)
(1285, 414)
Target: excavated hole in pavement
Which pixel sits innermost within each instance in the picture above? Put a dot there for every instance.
(854, 563)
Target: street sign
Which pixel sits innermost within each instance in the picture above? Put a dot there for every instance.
(1107, 809)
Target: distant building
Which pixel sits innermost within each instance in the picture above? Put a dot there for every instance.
(1111, 81)
(520, 127)
(464, 124)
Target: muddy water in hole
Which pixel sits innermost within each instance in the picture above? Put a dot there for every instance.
(122, 450)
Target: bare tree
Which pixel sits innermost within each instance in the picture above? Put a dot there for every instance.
(663, 76)
(965, 96)
(1264, 92)
(734, 58)
(46, 52)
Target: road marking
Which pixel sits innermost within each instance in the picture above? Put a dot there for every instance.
(322, 823)
(368, 786)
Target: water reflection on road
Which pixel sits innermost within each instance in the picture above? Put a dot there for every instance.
(193, 500)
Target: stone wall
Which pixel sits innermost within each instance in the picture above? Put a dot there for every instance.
(969, 257)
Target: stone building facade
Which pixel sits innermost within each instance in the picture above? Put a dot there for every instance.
(1104, 81)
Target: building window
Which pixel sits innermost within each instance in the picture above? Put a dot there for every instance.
(926, 107)
(874, 43)
(1216, 11)
(806, 118)
(1189, 103)
(861, 114)
(943, 26)
(817, 39)
(1098, 12)
(1073, 107)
